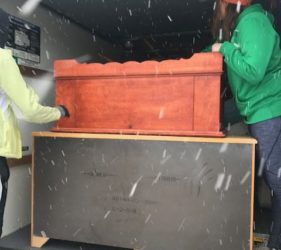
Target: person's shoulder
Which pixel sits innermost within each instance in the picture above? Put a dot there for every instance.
(258, 21)
(257, 16)
(5, 54)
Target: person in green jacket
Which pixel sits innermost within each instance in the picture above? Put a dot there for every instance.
(13, 89)
(251, 49)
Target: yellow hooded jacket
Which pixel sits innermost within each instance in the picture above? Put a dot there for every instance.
(13, 89)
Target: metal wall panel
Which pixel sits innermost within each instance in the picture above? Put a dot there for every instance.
(152, 195)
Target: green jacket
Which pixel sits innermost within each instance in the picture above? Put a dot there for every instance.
(13, 89)
(253, 59)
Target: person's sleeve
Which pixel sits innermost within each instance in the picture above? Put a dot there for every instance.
(250, 58)
(13, 84)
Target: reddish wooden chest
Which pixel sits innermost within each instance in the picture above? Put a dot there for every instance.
(171, 97)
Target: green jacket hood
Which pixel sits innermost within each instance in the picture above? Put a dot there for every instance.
(255, 8)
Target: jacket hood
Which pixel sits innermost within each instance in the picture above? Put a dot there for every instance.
(255, 8)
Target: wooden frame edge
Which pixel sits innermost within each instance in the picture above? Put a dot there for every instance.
(38, 241)
(32, 196)
(252, 198)
(241, 140)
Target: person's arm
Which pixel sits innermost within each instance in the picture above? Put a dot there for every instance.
(251, 58)
(13, 84)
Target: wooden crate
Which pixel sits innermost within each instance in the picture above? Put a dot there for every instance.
(171, 97)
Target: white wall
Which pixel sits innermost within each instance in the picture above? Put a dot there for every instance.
(17, 213)
(60, 39)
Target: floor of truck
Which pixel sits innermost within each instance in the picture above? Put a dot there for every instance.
(20, 240)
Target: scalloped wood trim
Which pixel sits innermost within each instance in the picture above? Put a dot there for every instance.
(200, 63)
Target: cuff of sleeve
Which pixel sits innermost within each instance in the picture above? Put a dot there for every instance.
(226, 47)
(61, 111)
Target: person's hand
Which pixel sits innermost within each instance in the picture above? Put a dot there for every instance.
(63, 110)
(216, 47)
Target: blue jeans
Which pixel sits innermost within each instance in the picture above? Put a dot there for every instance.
(268, 135)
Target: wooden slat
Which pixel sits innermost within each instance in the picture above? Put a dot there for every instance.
(38, 241)
(243, 140)
(200, 63)
(32, 195)
(252, 199)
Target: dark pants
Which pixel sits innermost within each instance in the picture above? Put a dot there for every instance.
(268, 135)
(5, 174)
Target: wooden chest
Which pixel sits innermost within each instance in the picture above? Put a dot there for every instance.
(171, 97)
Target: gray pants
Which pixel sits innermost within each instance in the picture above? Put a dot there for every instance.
(268, 135)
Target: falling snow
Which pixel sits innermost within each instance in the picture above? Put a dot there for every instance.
(198, 154)
(161, 113)
(43, 234)
(228, 126)
(27, 26)
(215, 5)
(107, 213)
(76, 232)
(47, 55)
(223, 148)
(157, 178)
(29, 6)
(238, 7)
(181, 226)
(246, 176)
(134, 187)
(170, 19)
(147, 218)
(228, 182)
(220, 35)
(163, 161)
(62, 152)
(261, 166)
(219, 182)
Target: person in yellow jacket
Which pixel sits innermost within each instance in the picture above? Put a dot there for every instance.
(13, 89)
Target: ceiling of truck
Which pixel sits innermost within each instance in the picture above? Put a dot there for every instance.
(153, 28)
(147, 29)
(127, 19)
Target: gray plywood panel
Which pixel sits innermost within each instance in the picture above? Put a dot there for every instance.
(153, 195)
